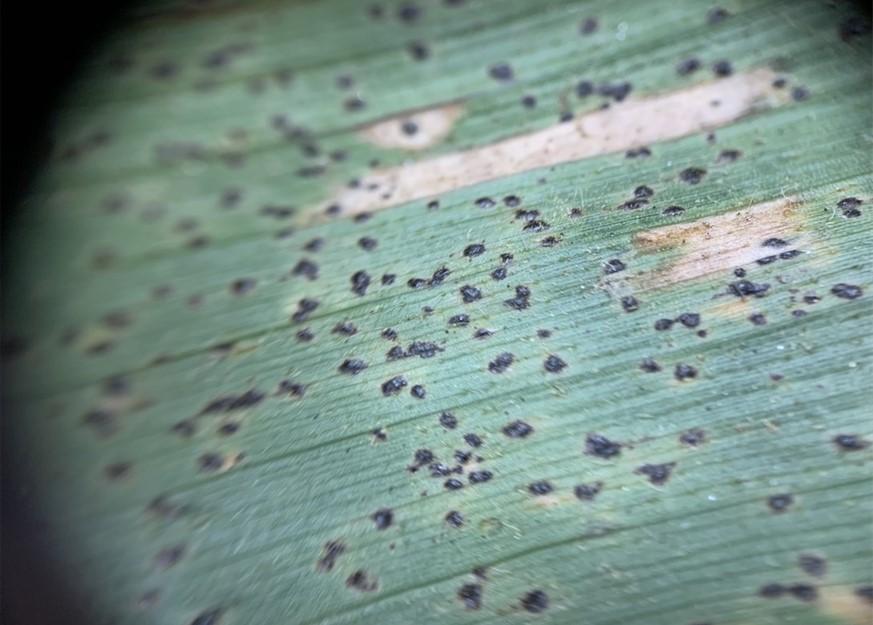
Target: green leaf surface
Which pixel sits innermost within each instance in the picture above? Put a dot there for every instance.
(191, 449)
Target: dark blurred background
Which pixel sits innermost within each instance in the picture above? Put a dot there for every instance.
(42, 45)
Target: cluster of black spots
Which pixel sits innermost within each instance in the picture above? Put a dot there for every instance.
(521, 299)
(501, 72)
(801, 592)
(233, 402)
(210, 462)
(473, 440)
(448, 420)
(600, 446)
(641, 152)
(393, 386)
(692, 175)
(526, 215)
(849, 206)
(687, 319)
(812, 564)
(360, 281)
(673, 211)
(683, 372)
(383, 518)
(454, 518)
(304, 308)
(517, 429)
(780, 503)
(418, 391)
(437, 278)
(535, 601)
(553, 364)
(290, 387)
(722, 68)
(535, 225)
(459, 320)
(540, 487)
(345, 328)
(747, 288)
(471, 596)
(850, 442)
(501, 363)
(649, 365)
(617, 91)
(587, 492)
(453, 484)
(847, 291)
(305, 335)
(613, 265)
(630, 303)
(352, 366)
(210, 617)
(361, 581)
(772, 258)
(438, 469)
(657, 473)
(478, 477)
(687, 66)
(693, 437)
(482, 333)
(422, 349)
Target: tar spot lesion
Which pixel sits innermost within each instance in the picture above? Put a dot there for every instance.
(331, 551)
(393, 385)
(600, 446)
(383, 518)
(812, 564)
(850, 442)
(230, 403)
(535, 601)
(471, 596)
(169, 556)
(517, 429)
(103, 422)
(362, 581)
(454, 518)
(780, 503)
(693, 437)
(684, 372)
(587, 492)
(657, 473)
(352, 366)
(540, 487)
(209, 617)
(117, 470)
(554, 364)
(501, 363)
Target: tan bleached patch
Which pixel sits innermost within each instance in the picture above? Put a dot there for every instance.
(720, 243)
(431, 127)
(625, 125)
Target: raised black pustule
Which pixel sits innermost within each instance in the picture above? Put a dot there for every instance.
(630, 303)
(846, 291)
(477, 477)
(394, 385)
(501, 72)
(517, 429)
(663, 324)
(470, 294)
(692, 175)
(459, 320)
(473, 440)
(535, 601)
(521, 300)
(553, 364)
(360, 282)
(383, 518)
(684, 372)
(540, 487)
(474, 249)
(613, 265)
(812, 564)
(780, 503)
(657, 473)
(360, 580)
(771, 591)
(693, 437)
(471, 596)
(587, 492)
(454, 518)
(803, 592)
(448, 420)
(209, 617)
(649, 365)
(850, 442)
(418, 391)
(352, 366)
(600, 446)
(722, 68)
(689, 319)
(453, 484)
(501, 363)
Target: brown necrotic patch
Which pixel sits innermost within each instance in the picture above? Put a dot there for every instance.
(717, 244)
(627, 125)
